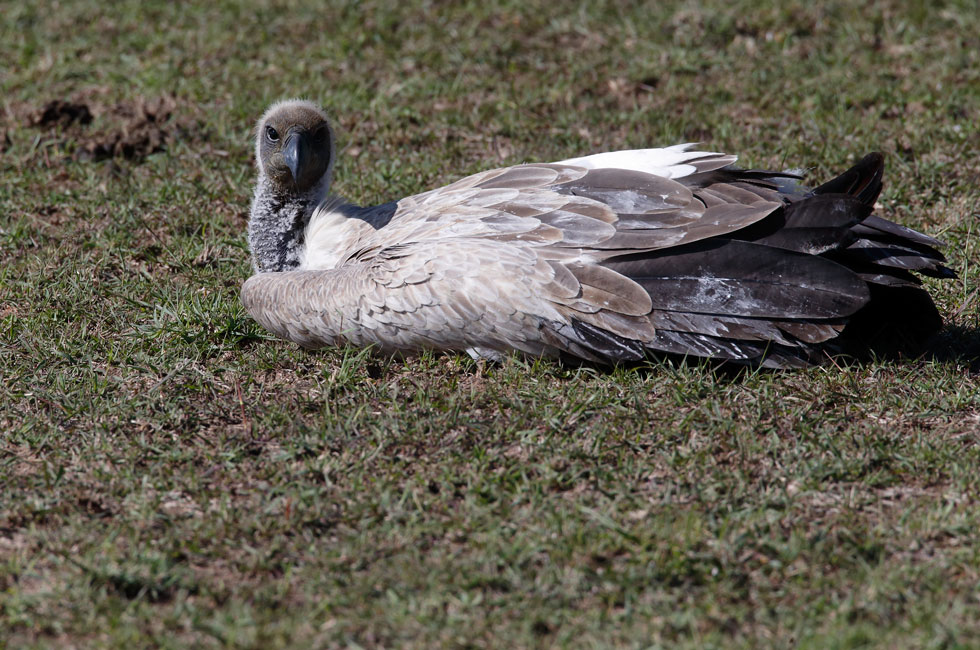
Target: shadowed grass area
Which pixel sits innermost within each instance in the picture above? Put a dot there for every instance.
(172, 476)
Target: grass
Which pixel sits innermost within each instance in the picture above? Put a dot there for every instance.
(172, 476)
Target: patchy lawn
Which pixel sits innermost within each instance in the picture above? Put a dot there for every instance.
(172, 476)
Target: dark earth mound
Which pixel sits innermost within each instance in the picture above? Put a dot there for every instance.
(130, 130)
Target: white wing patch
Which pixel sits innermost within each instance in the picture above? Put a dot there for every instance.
(667, 162)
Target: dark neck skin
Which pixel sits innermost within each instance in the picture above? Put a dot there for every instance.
(278, 222)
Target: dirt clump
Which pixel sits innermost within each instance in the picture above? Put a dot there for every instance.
(129, 130)
(61, 113)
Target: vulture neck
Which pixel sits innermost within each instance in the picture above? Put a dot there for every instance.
(277, 224)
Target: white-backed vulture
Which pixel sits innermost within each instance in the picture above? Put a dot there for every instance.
(605, 258)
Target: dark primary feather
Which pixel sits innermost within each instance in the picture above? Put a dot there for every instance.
(736, 278)
(863, 181)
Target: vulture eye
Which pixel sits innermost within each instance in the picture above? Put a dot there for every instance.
(272, 134)
(321, 134)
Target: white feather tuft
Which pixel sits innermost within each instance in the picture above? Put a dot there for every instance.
(668, 162)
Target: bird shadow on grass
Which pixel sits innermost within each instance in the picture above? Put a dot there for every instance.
(952, 345)
(955, 344)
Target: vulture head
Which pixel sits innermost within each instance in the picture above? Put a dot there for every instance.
(294, 151)
(294, 146)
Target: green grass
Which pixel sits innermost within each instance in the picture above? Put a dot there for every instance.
(172, 476)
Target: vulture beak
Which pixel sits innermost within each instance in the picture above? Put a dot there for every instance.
(296, 153)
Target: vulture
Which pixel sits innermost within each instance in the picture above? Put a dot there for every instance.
(609, 258)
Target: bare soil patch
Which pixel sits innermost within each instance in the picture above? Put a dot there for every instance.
(130, 130)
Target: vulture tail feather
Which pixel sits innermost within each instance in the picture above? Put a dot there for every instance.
(862, 181)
